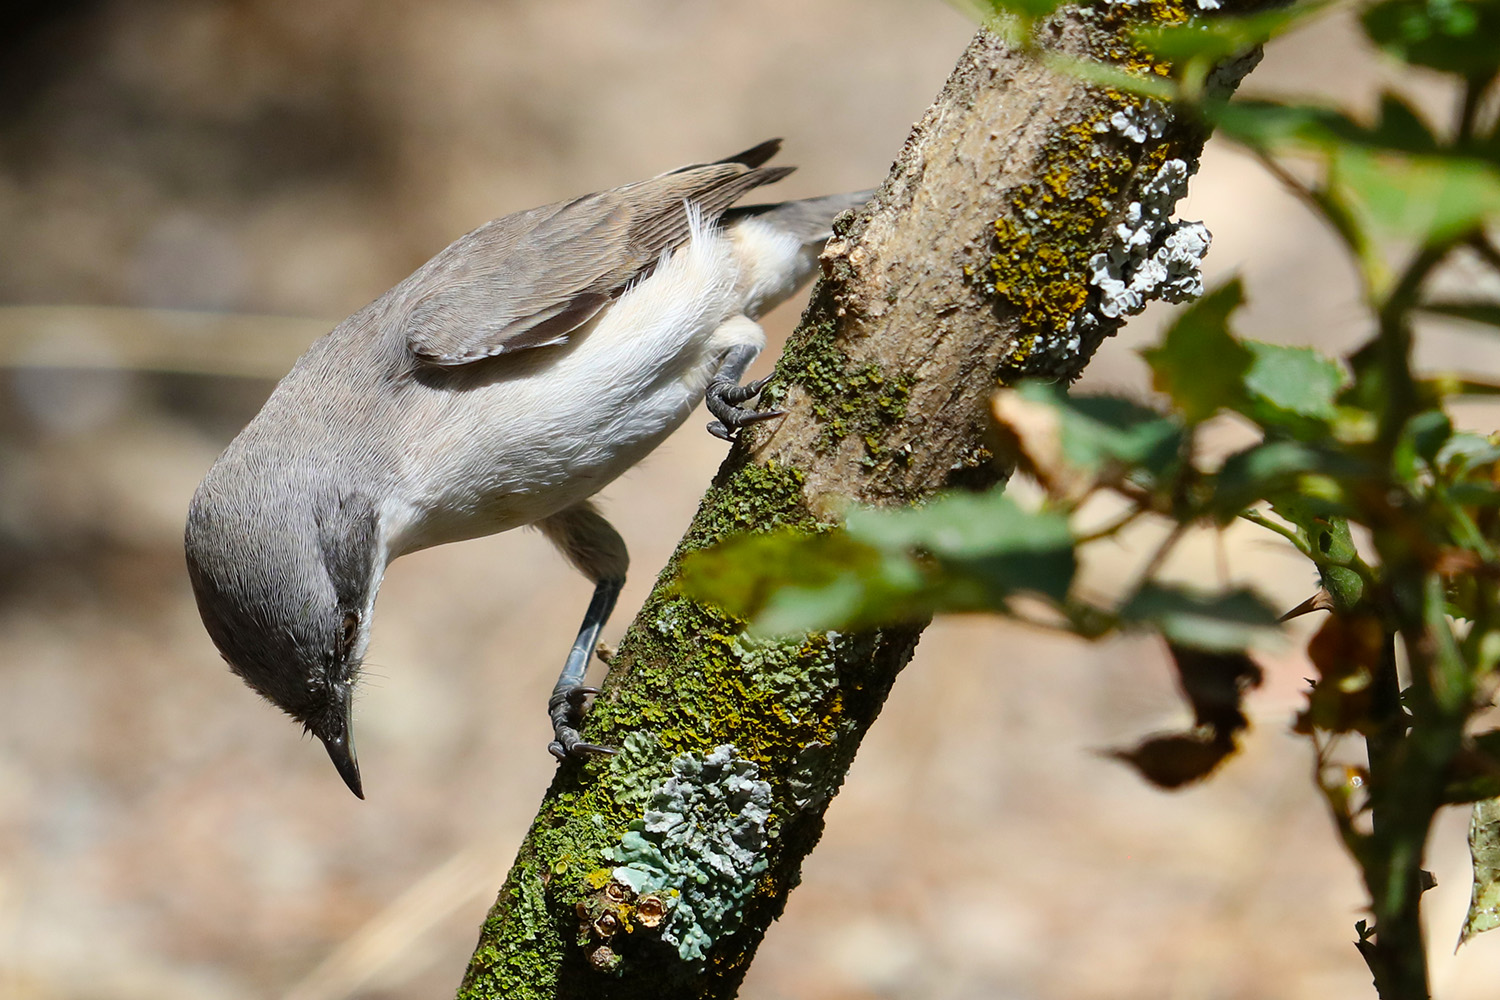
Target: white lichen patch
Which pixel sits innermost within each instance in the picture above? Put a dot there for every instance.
(1152, 256)
(1147, 121)
(700, 847)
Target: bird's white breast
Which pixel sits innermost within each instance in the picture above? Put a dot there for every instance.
(557, 424)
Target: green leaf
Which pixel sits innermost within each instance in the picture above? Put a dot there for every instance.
(1199, 363)
(1107, 431)
(1466, 451)
(1271, 125)
(741, 573)
(1484, 848)
(1400, 127)
(1292, 380)
(1424, 197)
(986, 538)
(1451, 36)
(1032, 9)
(1073, 443)
(961, 552)
(1215, 40)
(1267, 471)
(1222, 622)
(1428, 432)
(1013, 20)
(1330, 543)
(1274, 126)
(1112, 76)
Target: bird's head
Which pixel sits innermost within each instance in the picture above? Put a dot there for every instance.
(285, 579)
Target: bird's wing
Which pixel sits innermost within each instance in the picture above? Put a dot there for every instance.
(531, 278)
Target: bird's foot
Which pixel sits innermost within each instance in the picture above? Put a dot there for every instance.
(722, 396)
(566, 709)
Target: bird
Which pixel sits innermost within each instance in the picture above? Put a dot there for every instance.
(502, 384)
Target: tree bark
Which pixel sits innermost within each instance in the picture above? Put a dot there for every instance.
(994, 250)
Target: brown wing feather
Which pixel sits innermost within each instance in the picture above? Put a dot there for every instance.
(527, 280)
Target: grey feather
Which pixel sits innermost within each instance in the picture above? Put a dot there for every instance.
(529, 279)
(384, 439)
(810, 219)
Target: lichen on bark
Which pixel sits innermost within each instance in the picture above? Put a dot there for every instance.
(886, 385)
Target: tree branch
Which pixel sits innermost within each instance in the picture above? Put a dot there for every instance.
(655, 873)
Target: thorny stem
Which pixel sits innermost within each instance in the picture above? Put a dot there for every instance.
(1256, 517)
(1408, 754)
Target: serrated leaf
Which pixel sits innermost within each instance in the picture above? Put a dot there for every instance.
(1073, 443)
(1295, 380)
(1424, 197)
(1263, 471)
(1484, 849)
(1199, 364)
(1230, 621)
(1451, 36)
(987, 538)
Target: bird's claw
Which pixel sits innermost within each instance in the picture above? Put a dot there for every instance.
(721, 397)
(566, 710)
(570, 746)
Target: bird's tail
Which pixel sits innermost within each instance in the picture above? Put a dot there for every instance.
(810, 219)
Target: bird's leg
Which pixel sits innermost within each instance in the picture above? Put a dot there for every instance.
(565, 707)
(592, 545)
(724, 390)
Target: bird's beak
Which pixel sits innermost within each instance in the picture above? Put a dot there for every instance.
(340, 744)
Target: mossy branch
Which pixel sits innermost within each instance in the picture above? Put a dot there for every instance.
(655, 873)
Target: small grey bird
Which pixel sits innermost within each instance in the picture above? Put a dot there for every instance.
(504, 383)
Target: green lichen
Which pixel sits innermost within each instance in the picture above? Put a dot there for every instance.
(515, 971)
(848, 400)
(791, 708)
(750, 498)
(797, 682)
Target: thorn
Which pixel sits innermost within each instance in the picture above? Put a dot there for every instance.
(1320, 601)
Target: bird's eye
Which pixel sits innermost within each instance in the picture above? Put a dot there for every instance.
(350, 630)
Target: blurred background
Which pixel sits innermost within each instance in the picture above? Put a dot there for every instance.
(191, 191)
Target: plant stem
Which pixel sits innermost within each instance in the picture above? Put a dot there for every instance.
(1397, 954)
